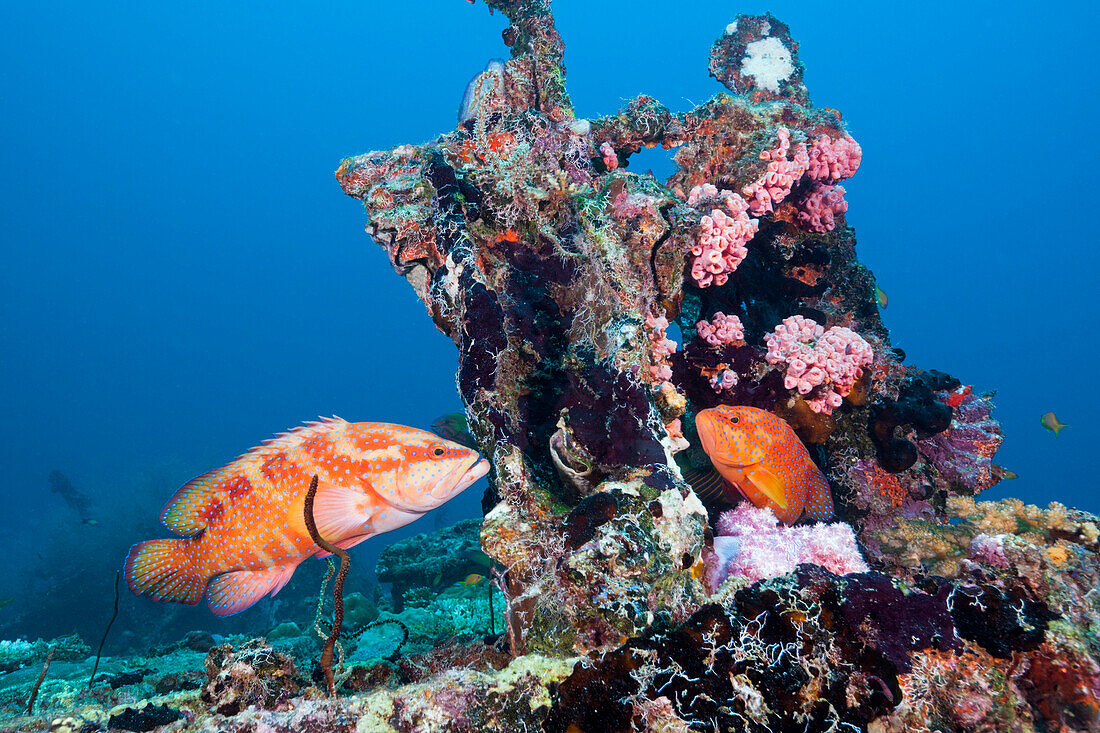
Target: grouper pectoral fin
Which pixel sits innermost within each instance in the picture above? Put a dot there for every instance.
(768, 484)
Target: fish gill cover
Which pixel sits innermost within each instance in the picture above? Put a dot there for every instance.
(631, 605)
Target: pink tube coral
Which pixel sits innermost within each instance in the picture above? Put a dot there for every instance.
(661, 347)
(750, 543)
(610, 159)
(833, 160)
(705, 191)
(726, 379)
(781, 175)
(720, 242)
(819, 209)
(825, 163)
(825, 363)
(721, 330)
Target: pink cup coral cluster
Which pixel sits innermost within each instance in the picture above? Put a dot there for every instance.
(720, 242)
(824, 362)
(610, 159)
(834, 160)
(721, 330)
(780, 176)
(750, 543)
(826, 162)
(723, 380)
(661, 347)
(819, 209)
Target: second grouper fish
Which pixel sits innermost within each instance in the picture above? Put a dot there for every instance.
(762, 456)
(244, 523)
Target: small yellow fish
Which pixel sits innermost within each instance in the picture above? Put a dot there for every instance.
(1050, 422)
(473, 579)
(880, 296)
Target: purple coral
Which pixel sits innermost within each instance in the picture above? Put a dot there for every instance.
(989, 549)
(963, 453)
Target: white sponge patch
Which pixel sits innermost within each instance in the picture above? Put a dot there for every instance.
(768, 62)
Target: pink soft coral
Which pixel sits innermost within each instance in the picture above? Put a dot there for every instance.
(750, 543)
(826, 363)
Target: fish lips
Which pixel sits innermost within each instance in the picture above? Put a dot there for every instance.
(704, 425)
(446, 488)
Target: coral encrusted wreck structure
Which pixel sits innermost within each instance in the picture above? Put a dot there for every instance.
(558, 273)
(641, 593)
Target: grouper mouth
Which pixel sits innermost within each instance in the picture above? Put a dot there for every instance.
(704, 425)
(476, 470)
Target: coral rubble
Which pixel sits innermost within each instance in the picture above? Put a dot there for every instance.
(562, 277)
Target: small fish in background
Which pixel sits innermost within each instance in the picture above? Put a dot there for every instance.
(1050, 422)
(880, 297)
(81, 504)
(710, 487)
(762, 456)
(1002, 473)
(453, 427)
(473, 579)
(244, 523)
(477, 557)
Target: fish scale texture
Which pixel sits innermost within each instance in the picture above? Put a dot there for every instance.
(245, 521)
(749, 438)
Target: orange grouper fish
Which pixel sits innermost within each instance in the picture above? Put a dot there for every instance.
(244, 524)
(762, 456)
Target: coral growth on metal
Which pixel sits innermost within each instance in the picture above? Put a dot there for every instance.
(558, 273)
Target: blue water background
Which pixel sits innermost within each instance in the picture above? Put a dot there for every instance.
(181, 276)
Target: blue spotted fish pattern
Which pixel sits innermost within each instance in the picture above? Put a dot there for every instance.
(244, 526)
(760, 454)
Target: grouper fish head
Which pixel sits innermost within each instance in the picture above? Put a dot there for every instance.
(429, 471)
